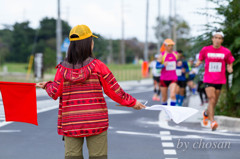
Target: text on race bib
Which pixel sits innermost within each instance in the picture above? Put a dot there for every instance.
(179, 72)
(215, 67)
(158, 71)
(171, 66)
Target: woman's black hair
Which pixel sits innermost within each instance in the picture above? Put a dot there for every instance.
(79, 50)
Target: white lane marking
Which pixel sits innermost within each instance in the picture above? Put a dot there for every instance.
(47, 109)
(166, 138)
(9, 131)
(164, 132)
(137, 133)
(169, 152)
(164, 124)
(113, 111)
(190, 137)
(167, 144)
(171, 158)
(4, 123)
(141, 91)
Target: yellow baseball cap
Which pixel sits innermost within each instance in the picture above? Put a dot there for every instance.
(82, 31)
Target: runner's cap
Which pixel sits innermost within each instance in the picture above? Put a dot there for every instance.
(166, 42)
(82, 31)
(156, 56)
(218, 33)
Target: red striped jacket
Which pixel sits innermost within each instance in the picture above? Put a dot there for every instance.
(82, 107)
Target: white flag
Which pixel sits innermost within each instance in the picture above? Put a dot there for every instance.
(177, 114)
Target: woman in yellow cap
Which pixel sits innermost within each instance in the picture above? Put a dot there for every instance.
(82, 108)
(167, 61)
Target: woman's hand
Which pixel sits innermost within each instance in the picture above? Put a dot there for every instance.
(40, 84)
(139, 106)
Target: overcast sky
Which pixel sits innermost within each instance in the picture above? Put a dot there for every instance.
(103, 16)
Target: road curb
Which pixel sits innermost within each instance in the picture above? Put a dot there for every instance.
(224, 122)
(229, 123)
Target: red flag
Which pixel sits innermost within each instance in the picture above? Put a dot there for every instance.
(19, 101)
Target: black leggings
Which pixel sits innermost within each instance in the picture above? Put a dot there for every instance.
(201, 90)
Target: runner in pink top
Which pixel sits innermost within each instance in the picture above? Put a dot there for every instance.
(169, 72)
(216, 57)
(168, 60)
(215, 63)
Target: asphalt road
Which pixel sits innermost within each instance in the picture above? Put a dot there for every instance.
(132, 134)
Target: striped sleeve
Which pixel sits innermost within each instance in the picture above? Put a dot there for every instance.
(54, 89)
(113, 89)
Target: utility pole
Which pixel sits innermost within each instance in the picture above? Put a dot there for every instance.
(158, 28)
(146, 38)
(122, 41)
(170, 22)
(59, 34)
(174, 26)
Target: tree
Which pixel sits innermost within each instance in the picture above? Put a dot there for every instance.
(182, 28)
(231, 28)
(46, 40)
(21, 43)
(48, 28)
(230, 11)
(5, 41)
(100, 47)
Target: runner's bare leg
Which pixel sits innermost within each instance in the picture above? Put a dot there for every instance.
(182, 91)
(164, 93)
(173, 89)
(211, 102)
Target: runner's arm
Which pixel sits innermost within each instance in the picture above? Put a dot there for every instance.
(199, 62)
(159, 58)
(230, 68)
(201, 57)
(230, 59)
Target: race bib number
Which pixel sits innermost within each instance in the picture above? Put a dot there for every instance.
(179, 72)
(158, 71)
(171, 66)
(215, 67)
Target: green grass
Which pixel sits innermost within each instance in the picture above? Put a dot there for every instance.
(126, 72)
(15, 67)
(124, 67)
